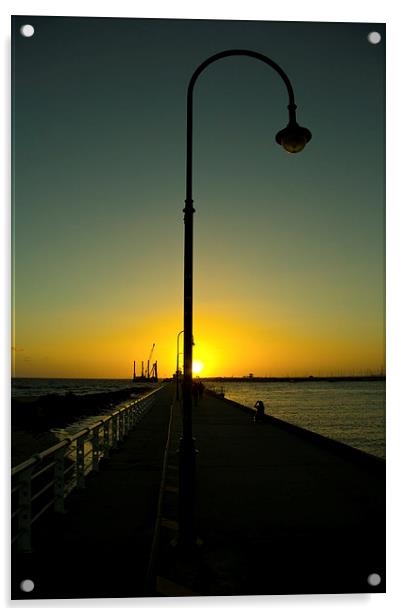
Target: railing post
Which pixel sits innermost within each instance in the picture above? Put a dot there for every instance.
(129, 417)
(106, 437)
(95, 449)
(24, 516)
(114, 431)
(133, 415)
(81, 462)
(124, 422)
(59, 459)
(121, 432)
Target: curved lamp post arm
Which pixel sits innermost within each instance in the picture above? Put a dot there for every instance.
(197, 73)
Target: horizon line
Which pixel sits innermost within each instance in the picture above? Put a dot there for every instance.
(244, 376)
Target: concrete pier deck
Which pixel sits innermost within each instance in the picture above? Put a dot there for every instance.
(278, 511)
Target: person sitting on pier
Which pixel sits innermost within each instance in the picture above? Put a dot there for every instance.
(260, 411)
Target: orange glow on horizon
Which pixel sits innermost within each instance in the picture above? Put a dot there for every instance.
(233, 345)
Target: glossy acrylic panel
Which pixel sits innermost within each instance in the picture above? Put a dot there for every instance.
(129, 478)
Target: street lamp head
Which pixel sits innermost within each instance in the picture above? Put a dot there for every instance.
(293, 138)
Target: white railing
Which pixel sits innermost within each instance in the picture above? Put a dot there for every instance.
(47, 478)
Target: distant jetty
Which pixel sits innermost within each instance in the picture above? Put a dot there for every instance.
(291, 379)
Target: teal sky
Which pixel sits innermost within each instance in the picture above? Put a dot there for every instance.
(289, 250)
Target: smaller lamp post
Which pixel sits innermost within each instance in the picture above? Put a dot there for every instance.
(177, 364)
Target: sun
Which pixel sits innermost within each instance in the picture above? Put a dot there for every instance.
(197, 366)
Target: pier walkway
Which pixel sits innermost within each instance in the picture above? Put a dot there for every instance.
(278, 511)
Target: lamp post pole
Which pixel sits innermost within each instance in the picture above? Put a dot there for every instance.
(293, 138)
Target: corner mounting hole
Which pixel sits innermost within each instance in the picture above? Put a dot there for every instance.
(374, 579)
(27, 585)
(27, 30)
(374, 38)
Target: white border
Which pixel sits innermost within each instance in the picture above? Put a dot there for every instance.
(290, 10)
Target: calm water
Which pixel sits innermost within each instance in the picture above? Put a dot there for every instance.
(351, 412)
(39, 387)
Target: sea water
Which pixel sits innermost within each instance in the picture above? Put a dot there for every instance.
(352, 412)
(26, 387)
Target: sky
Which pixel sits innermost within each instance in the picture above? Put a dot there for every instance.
(289, 252)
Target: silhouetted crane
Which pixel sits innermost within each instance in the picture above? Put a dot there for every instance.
(149, 359)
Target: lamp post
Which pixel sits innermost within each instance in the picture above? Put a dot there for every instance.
(293, 138)
(177, 364)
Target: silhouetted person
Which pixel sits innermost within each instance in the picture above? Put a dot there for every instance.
(259, 413)
(200, 389)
